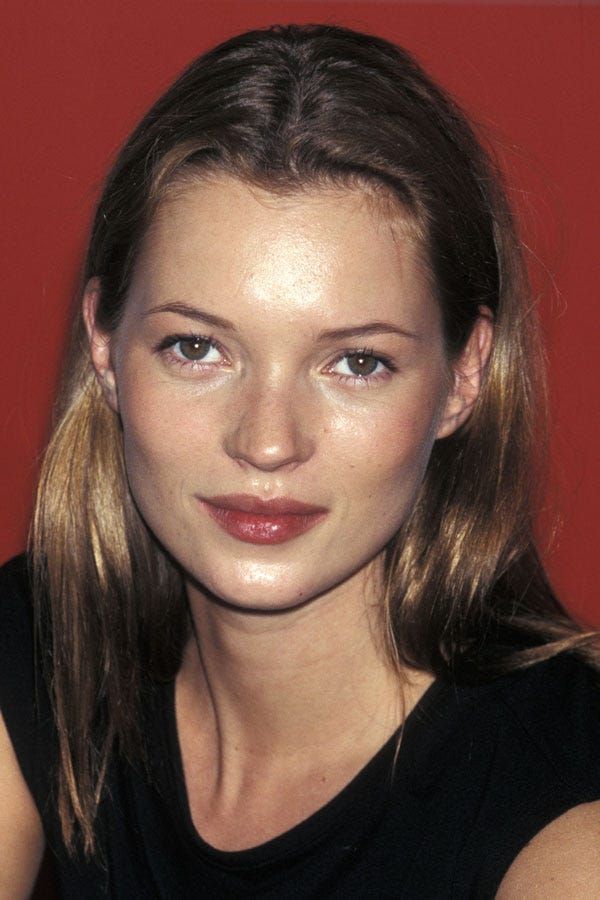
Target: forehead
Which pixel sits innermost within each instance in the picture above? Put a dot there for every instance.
(328, 251)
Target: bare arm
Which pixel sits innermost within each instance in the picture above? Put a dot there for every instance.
(21, 834)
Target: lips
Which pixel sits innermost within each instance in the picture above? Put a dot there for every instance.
(257, 521)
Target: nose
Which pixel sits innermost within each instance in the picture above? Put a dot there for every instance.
(270, 429)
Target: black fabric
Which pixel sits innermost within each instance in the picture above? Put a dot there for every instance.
(480, 771)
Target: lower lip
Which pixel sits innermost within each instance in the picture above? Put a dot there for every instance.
(262, 529)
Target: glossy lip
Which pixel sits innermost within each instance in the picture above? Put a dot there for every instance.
(257, 521)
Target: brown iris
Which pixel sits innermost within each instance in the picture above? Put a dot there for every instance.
(362, 363)
(194, 348)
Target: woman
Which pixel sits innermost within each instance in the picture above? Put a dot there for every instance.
(291, 633)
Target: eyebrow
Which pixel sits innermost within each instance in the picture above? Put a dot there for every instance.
(331, 334)
(336, 334)
(192, 312)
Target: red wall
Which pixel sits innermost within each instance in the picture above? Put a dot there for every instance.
(77, 75)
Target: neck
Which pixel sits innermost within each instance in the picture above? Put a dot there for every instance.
(307, 680)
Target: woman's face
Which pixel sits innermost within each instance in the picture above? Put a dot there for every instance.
(276, 348)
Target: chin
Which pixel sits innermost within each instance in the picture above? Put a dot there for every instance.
(260, 607)
(254, 595)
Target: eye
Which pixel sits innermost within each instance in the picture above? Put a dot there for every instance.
(197, 349)
(190, 351)
(362, 366)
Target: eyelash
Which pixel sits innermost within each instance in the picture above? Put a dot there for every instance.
(364, 380)
(165, 348)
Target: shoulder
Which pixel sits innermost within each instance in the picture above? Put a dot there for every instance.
(22, 758)
(16, 630)
(16, 622)
(24, 702)
(562, 860)
(554, 707)
(15, 588)
(557, 704)
(543, 722)
(533, 774)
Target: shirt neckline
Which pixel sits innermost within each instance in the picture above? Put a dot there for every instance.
(365, 795)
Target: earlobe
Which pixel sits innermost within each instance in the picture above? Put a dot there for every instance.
(468, 375)
(99, 344)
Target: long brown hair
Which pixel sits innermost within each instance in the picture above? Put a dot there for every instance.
(465, 593)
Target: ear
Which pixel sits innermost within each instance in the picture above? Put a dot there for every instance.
(468, 372)
(99, 342)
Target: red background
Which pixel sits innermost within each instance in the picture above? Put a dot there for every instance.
(77, 76)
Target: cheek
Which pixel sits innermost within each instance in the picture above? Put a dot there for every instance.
(165, 437)
(388, 449)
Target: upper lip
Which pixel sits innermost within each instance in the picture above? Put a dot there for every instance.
(276, 506)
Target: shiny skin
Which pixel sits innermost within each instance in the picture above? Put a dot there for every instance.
(270, 409)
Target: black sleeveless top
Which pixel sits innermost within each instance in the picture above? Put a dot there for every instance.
(481, 769)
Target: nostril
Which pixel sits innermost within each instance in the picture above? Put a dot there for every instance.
(264, 457)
